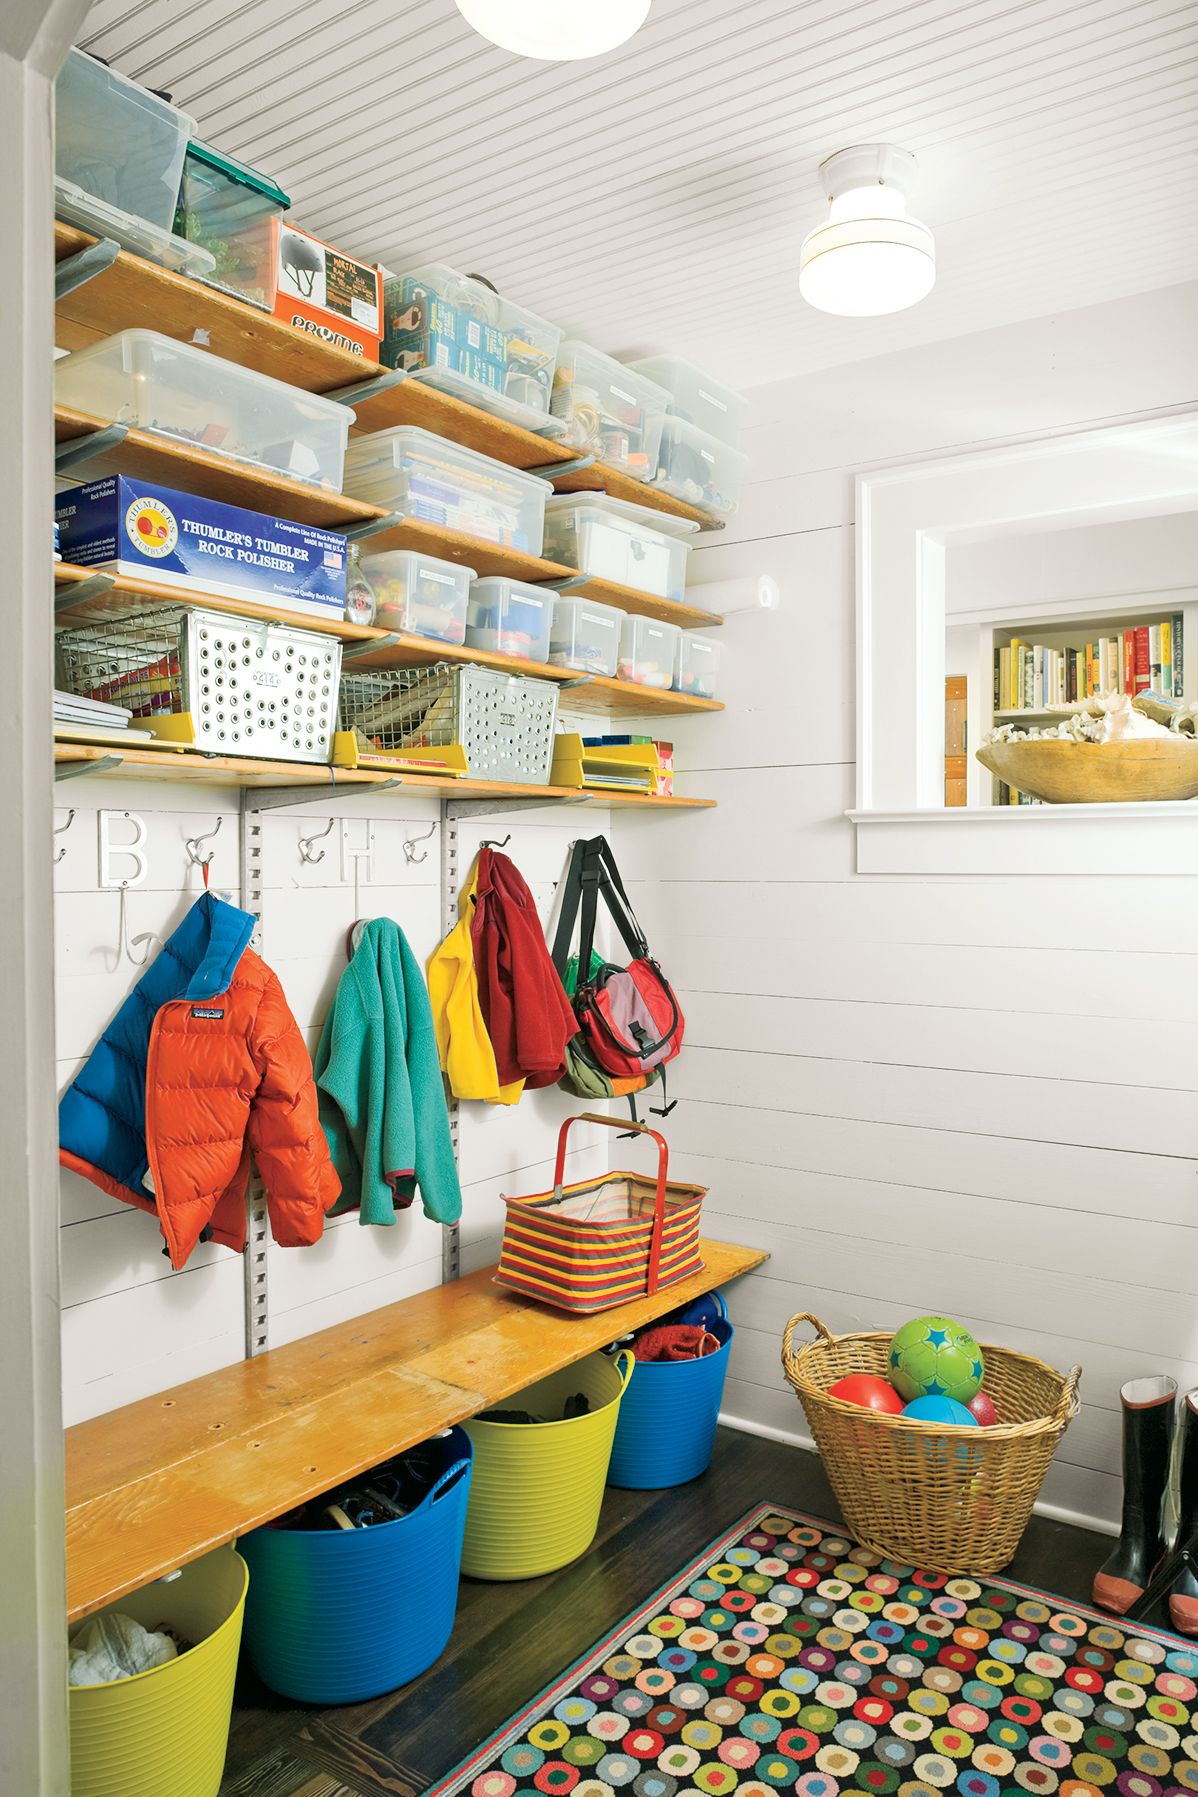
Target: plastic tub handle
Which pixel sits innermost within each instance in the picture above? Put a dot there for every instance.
(625, 1362)
(449, 1478)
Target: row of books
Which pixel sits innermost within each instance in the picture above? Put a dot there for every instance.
(1140, 658)
(1011, 795)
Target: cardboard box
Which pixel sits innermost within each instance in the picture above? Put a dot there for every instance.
(323, 291)
(159, 536)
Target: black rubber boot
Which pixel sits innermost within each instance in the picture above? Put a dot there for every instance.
(1183, 1598)
(1148, 1425)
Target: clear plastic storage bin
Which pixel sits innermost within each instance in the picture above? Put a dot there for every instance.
(418, 475)
(506, 617)
(229, 209)
(695, 466)
(614, 540)
(467, 340)
(117, 141)
(609, 410)
(698, 669)
(648, 652)
(193, 396)
(419, 593)
(585, 636)
(695, 396)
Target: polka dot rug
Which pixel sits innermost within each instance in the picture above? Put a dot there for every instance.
(787, 1658)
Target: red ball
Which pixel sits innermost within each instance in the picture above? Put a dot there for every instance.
(982, 1406)
(869, 1392)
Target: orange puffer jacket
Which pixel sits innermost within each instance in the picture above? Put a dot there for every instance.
(202, 1064)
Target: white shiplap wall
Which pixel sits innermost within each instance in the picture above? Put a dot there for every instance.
(131, 1326)
(976, 1095)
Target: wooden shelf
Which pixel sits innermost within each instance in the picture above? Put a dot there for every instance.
(127, 596)
(192, 469)
(156, 1484)
(414, 402)
(136, 294)
(141, 761)
(495, 558)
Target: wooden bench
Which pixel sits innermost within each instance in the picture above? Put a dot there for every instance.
(160, 1482)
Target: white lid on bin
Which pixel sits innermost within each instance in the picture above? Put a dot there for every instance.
(663, 524)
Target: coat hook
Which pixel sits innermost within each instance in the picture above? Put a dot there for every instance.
(61, 830)
(409, 846)
(490, 843)
(127, 944)
(192, 846)
(305, 843)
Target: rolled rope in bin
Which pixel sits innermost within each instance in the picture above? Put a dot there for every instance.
(944, 1499)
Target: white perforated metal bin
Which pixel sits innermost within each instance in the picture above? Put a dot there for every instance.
(504, 722)
(193, 396)
(247, 688)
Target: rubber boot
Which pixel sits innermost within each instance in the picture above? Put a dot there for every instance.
(1148, 1425)
(1183, 1598)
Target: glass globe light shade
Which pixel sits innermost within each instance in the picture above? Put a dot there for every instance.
(556, 30)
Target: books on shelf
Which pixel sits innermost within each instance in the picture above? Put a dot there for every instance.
(1135, 659)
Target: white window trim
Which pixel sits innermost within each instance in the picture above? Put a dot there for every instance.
(905, 516)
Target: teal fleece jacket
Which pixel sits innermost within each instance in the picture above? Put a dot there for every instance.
(378, 1078)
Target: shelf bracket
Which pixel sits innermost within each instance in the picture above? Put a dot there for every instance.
(567, 583)
(378, 383)
(567, 686)
(354, 651)
(84, 449)
(84, 265)
(370, 527)
(551, 470)
(82, 591)
(74, 770)
(274, 798)
(460, 808)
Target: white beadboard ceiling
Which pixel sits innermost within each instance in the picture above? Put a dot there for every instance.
(656, 198)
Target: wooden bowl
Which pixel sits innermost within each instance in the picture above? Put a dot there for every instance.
(1070, 773)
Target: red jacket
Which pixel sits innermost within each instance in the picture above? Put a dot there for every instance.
(528, 1016)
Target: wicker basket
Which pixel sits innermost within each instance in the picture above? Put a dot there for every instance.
(941, 1499)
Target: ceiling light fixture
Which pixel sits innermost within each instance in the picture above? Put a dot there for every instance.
(556, 30)
(871, 256)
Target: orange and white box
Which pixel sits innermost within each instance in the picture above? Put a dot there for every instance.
(328, 293)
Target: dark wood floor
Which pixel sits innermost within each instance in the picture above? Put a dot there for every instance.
(512, 1639)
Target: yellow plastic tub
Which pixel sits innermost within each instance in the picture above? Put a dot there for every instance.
(167, 1730)
(538, 1487)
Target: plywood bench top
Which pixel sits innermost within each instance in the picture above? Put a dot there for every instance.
(160, 1482)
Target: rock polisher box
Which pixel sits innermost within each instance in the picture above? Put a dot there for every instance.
(327, 293)
(159, 536)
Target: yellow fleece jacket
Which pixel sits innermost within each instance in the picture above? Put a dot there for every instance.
(467, 1058)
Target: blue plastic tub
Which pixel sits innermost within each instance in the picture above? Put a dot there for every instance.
(339, 1615)
(667, 1423)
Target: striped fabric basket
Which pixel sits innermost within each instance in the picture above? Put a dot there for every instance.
(604, 1240)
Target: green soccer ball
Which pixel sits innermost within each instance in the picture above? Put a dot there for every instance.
(933, 1357)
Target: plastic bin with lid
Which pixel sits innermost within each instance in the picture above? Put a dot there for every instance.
(419, 593)
(608, 409)
(648, 652)
(421, 476)
(467, 340)
(229, 209)
(585, 636)
(193, 396)
(695, 466)
(118, 142)
(612, 539)
(698, 667)
(509, 617)
(696, 396)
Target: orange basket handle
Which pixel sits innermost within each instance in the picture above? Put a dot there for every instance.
(659, 1200)
(803, 1316)
(1070, 1402)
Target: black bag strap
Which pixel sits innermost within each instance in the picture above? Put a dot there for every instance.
(591, 875)
(567, 914)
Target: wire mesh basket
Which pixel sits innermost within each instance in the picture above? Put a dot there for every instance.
(210, 681)
(504, 722)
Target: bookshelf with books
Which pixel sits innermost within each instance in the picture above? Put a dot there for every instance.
(1025, 667)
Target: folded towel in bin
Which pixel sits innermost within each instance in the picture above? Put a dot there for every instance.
(675, 1341)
